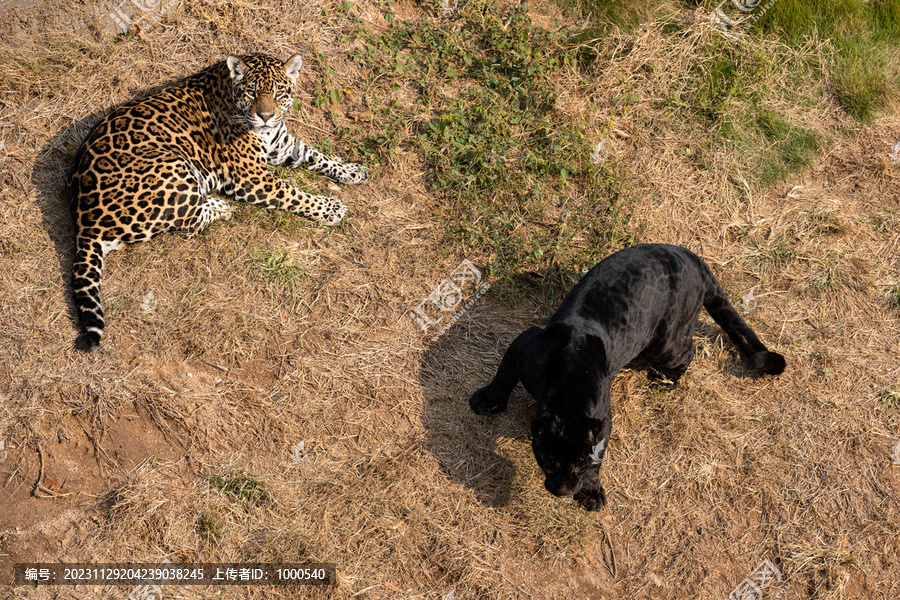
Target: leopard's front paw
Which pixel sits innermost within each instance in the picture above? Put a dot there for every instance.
(333, 212)
(353, 173)
(591, 499)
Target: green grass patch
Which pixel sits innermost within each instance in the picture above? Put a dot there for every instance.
(789, 147)
(725, 92)
(866, 35)
(890, 399)
(727, 76)
(729, 99)
(862, 72)
(243, 489)
(281, 268)
(516, 184)
(863, 80)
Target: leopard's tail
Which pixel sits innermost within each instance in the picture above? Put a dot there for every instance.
(87, 275)
(759, 358)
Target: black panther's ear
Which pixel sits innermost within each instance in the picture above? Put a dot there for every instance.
(595, 430)
(597, 349)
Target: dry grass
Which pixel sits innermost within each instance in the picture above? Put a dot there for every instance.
(402, 487)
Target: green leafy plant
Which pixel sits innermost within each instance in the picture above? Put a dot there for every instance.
(501, 154)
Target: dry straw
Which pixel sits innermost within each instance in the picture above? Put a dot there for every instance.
(405, 490)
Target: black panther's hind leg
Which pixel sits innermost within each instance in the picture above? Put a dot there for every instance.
(669, 362)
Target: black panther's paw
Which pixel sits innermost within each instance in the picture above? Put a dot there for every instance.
(767, 362)
(483, 403)
(664, 379)
(591, 499)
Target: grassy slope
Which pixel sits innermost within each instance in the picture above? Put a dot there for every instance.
(268, 330)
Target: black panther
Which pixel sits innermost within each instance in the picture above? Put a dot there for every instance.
(641, 302)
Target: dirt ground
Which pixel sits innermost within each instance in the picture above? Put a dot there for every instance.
(209, 368)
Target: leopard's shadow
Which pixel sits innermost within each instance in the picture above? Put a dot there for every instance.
(48, 178)
(473, 450)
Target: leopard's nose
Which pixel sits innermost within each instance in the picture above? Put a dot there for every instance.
(265, 116)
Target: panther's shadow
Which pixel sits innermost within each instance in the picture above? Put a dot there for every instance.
(467, 446)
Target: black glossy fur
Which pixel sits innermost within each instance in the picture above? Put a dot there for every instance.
(640, 302)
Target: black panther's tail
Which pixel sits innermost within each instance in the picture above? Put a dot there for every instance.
(759, 358)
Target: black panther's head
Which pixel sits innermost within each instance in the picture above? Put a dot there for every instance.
(568, 444)
(569, 451)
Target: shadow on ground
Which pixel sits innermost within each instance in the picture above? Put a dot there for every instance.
(458, 363)
(49, 175)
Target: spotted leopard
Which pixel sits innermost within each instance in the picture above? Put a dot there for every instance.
(162, 163)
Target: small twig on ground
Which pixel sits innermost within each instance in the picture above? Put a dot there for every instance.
(612, 554)
(40, 490)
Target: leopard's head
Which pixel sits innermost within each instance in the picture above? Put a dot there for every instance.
(262, 88)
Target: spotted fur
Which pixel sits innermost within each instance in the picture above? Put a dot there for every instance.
(162, 163)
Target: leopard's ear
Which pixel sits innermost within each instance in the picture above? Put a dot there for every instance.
(292, 67)
(236, 67)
